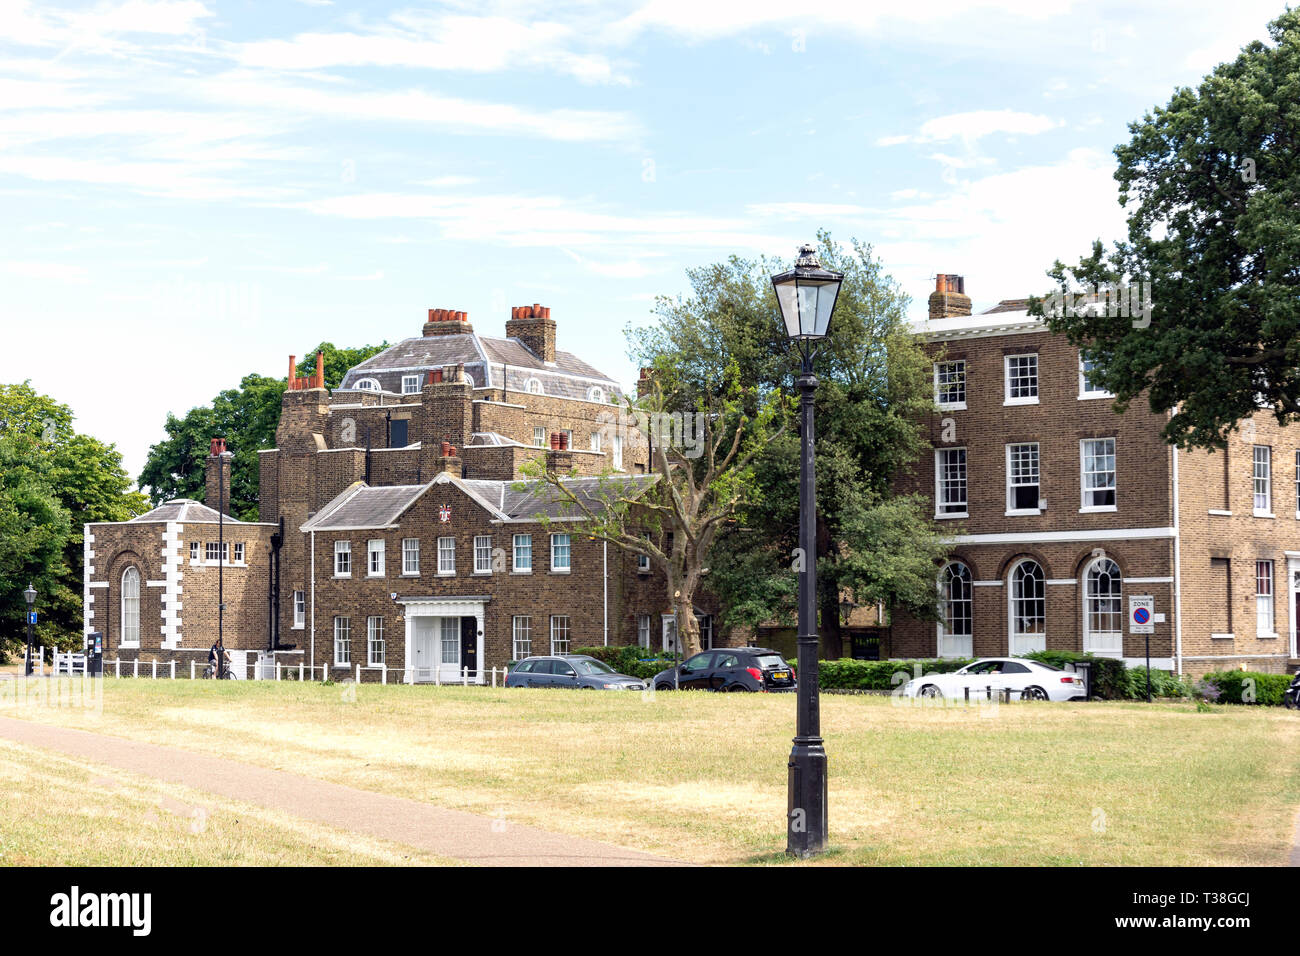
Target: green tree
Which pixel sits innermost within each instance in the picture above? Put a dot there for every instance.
(1212, 182)
(701, 475)
(873, 544)
(53, 480)
(246, 417)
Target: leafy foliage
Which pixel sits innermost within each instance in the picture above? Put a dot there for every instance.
(849, 674)
(1213, 179)
(52, 481)
(1234, 687)
(873, 394)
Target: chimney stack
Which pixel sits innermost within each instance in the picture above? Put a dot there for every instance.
(533, 326)
(949, 298)
(447, 322)
(217, 475)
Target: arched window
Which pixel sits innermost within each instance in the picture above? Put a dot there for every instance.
(1103, 615)
(957, 610)
(130, 608)
(367, 384)
(595, 394)
(1028, 612)
(534, 387)
(470, 379)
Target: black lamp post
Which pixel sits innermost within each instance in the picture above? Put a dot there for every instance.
(30, 595)
(806, 295)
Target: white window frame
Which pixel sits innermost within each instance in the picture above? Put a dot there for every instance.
(1086, 393)
(643, 630)
(343, 559)
(449, 641)
(239, 552)
(521, 636)
(1006, 379)
(374, 640)
(1265, 620)
(1113, 487)
(1011, 509)
(567, 545)
(299, 610)
(941, 369)
(368, 385)
(643, 563)
(561, 634)
(130, 608)
(616, 455)
(410, 384)
(596, 394)
(410, 557)
(446, 556)
(1095, 611)
(539, 436)
(482, 554)
(568, 438)
(534, 387)
(965, 601)
(1262, 480)
(376, 559)
(194, 545)
(595, 441)
(342, 641)
(1013, 598)
(940, 501)
(211, 552)
(518, 543)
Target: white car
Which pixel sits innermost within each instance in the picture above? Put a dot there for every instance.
(993, 676)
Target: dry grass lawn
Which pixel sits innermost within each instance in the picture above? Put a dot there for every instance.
(702, 776)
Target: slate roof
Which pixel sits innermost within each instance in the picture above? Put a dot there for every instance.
(362, 507)
(486, 359)
(184, 510)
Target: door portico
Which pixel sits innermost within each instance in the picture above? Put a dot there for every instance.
(439, 640)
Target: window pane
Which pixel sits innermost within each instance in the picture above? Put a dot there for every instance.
(1022, 376)
(950, 382)
(950, 466)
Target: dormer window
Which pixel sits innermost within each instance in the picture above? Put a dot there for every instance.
(410, 384)
(367, 385)
(534, 387)
(596, 394)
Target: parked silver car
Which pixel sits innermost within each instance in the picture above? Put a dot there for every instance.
(570, 670)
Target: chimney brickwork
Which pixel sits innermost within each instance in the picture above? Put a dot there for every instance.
(533, 325)
(949, 298)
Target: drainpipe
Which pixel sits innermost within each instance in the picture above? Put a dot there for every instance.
(605, 587)
(313, 599)
(1178, 575)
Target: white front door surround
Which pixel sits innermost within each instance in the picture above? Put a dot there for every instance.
(424, 657)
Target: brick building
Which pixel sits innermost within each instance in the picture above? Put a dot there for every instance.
(396, 526)
(1061, 509)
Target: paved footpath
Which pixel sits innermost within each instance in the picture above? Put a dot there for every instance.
(448, 833)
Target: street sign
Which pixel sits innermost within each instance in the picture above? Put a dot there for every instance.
(31, 617)
(1141, 614)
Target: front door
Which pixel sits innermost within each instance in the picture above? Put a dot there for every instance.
(469, 645)
(425, 649)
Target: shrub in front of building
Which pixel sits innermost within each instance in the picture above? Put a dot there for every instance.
(1244, 687)
(850, 674)
(1107, 677)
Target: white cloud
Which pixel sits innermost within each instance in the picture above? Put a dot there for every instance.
(971, 126)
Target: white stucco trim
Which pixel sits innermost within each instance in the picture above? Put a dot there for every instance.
(87, 570)
(1047, 537)
(173, 560)
(444, 607)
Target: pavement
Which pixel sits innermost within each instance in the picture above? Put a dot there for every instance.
(449, 833)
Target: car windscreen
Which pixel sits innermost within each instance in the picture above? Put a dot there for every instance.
(592, 666)
(769, 661)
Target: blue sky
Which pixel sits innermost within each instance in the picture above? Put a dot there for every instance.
(190, 190)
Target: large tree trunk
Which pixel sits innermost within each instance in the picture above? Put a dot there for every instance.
(688, 628)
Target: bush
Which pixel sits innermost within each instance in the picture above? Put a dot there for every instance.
(1107, 676)
(1244, 687)
(1163, 684)
(849, 674)
(629, 659)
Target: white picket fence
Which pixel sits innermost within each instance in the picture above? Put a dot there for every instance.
(244, 668)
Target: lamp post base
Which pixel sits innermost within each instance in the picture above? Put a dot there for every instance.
(806, 814)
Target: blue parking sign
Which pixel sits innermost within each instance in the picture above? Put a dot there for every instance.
(31, 617)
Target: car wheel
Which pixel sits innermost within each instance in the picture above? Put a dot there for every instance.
(1033, 693)
(736, 688)
(663, 686)
(929, 690)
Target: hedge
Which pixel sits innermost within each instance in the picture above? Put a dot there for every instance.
(1230, 687)
(630, 659)
(850, 674)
